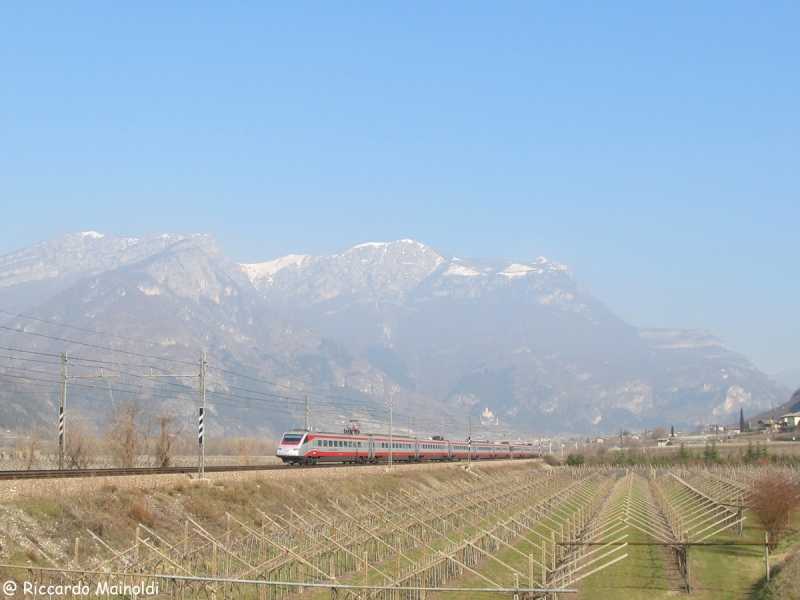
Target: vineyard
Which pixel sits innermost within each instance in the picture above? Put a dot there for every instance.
(525, 533)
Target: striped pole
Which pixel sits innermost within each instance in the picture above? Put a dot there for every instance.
(62, 409)
(201, 451)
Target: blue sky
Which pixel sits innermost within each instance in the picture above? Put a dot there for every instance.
(652, 147)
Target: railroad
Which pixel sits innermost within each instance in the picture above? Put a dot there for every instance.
(72, 473)
(111, 472)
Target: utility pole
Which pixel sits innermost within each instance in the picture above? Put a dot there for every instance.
(306, 414)
(390, 430)
(62, 409)
(469, 437)
(62, 437)
(201, 450)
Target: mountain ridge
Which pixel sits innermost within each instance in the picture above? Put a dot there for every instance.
(524, 342)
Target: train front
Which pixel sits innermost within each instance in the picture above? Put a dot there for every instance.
(290, 450)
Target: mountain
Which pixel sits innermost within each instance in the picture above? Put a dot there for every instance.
(187, 296)
(51, 266)
(525, 342)
(516, 345)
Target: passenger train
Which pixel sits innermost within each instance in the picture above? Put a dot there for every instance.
(311, 447)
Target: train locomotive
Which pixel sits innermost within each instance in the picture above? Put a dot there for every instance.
(302, 447)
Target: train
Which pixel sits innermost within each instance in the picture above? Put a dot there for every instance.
(303, 447)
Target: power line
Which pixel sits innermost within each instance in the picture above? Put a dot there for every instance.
(50, 337)
(114, 335)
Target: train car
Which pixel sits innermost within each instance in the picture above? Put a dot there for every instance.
(459, 450)
(482, 450)
(333, 447)
(521, 450)
(435, 448)
(502, 450)
(310, 448)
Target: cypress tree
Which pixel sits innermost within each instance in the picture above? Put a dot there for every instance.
(742, 424)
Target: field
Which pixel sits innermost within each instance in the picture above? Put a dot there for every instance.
(414, 533)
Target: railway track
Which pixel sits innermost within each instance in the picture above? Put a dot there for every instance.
(73, 473)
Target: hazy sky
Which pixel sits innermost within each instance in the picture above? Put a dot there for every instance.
(652, 147)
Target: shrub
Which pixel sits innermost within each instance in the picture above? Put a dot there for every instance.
(575, 460)
(140, 512)
(773, 498)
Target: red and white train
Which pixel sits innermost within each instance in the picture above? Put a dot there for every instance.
(312, 447)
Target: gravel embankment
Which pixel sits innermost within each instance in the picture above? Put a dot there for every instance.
(22, 489)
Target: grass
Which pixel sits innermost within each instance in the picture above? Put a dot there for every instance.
(643, 575)
(717, 572)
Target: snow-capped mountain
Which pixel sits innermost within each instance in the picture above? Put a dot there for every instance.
(30, 274)
(523, 341)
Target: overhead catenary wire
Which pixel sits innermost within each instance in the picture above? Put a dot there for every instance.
(128, 352)
(171, 346)
(272, 407)
(348, 404)
(84, 329)
(176, 347)
(86, 344)
(370, 403)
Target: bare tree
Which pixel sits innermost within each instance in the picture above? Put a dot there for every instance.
(773, 498)
(124, 433)
(245, 450)
(166, 440)
(82, 448)
(30, 446)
